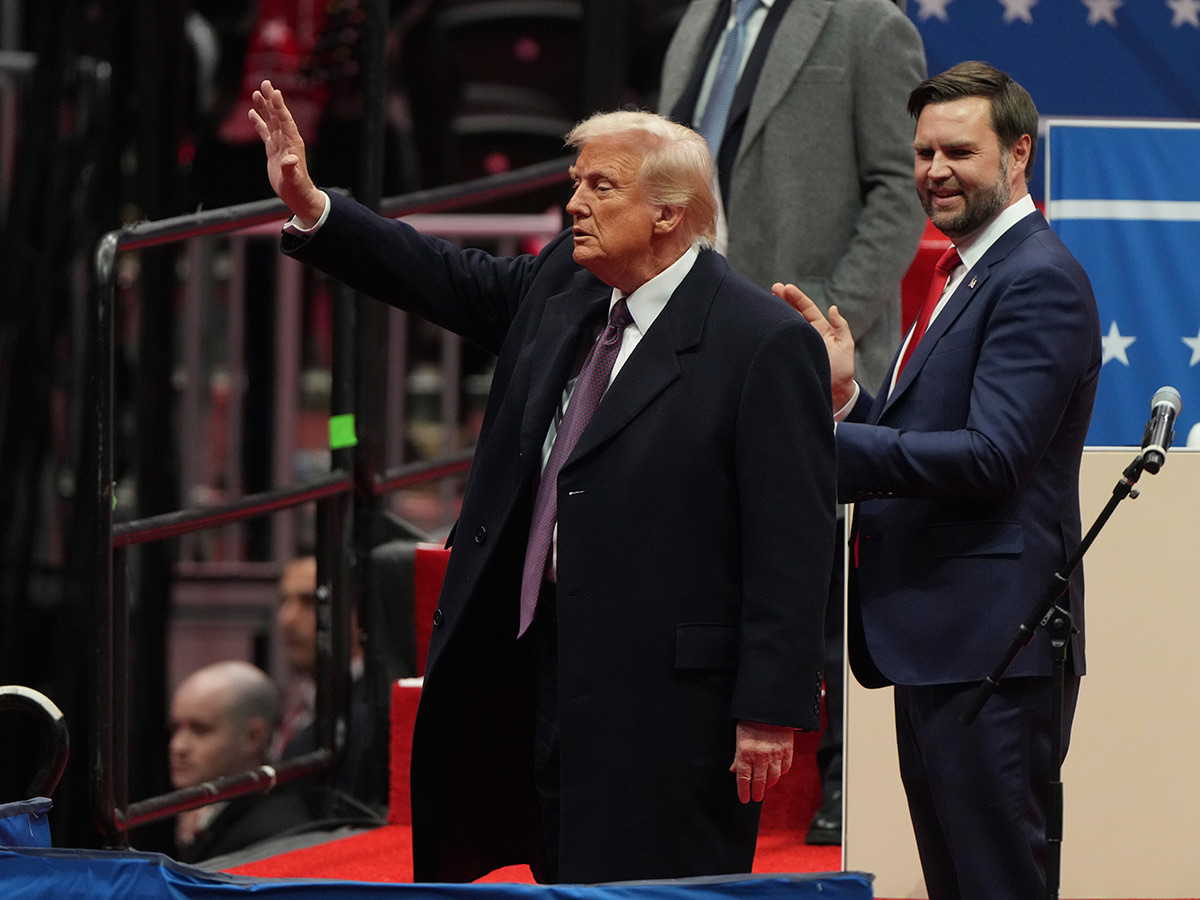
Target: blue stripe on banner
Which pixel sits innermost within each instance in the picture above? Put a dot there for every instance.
(1146, 163)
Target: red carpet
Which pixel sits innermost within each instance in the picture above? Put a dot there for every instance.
(385, 854)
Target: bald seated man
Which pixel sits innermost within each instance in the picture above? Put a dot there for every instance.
(222, 720)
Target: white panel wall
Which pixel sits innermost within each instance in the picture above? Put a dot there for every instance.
(1132, 777)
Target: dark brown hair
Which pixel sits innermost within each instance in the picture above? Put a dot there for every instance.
(1013, 110)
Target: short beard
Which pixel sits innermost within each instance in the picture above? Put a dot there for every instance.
(980, 207)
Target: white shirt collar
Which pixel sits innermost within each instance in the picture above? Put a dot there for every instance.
(972, 249)
(651, 298)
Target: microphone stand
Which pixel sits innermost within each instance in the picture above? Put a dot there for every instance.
(1060, 626)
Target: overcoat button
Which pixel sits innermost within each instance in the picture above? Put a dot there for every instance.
(437, 616)
(480, 534)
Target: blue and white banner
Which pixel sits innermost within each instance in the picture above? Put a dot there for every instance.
(1124, 195)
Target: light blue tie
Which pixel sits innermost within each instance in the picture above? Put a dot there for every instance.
(716, 113)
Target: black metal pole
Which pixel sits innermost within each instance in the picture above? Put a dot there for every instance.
(1060, 632)
(368, 363)
(96, 520)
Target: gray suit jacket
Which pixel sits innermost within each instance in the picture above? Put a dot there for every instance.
(821, 190)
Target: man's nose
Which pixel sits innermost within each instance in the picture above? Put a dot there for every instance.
(939, 167)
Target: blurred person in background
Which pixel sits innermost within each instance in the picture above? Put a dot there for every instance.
(296, 621)
(222, 720)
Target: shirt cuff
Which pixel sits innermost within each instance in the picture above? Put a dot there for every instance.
(841, 414)
(292, 227)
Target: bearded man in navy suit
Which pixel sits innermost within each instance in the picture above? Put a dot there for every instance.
(965, 473)
(677, 642)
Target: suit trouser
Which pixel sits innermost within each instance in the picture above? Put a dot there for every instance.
(830, 748)
(977, 793)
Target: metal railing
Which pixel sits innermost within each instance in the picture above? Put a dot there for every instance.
(334, 493)
(48, 718)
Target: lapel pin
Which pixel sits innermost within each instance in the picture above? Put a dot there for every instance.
(974, 281)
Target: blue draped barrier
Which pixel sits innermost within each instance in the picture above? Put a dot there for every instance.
(25, 823)
(52, 874)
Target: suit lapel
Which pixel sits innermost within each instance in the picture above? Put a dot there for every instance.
(971, 285)
(746, 91)
(554, 347)
(654, 364)
(797, 31)
(697, 38)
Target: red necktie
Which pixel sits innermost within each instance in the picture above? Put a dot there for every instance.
(941, 274)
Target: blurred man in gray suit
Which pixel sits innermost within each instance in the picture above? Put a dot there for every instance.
(814, 165)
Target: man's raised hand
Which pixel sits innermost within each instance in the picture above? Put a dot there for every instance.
(839, 342)
(287, 167)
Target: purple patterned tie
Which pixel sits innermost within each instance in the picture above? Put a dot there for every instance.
(589, 388)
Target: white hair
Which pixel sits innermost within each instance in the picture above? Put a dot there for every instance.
(676, 168)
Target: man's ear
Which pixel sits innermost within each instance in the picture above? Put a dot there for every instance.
(1020, 154)
(258, 735)
(670, 217)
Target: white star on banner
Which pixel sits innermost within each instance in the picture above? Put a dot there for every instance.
(1114, 345)
(933, 9)
(1194, 343)
(1022, 9)
(1187, 12)
(1102, 11)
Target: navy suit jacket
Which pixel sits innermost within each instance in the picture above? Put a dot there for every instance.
(967, 476)
(695, 539)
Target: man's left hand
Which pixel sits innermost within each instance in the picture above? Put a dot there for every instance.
(763, 756)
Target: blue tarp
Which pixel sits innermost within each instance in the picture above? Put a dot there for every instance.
(53, 874)
(25, 823)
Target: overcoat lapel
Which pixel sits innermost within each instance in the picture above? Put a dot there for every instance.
(554, 348)
(654, 363)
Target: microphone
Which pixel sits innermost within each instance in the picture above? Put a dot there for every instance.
(1160, 430)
